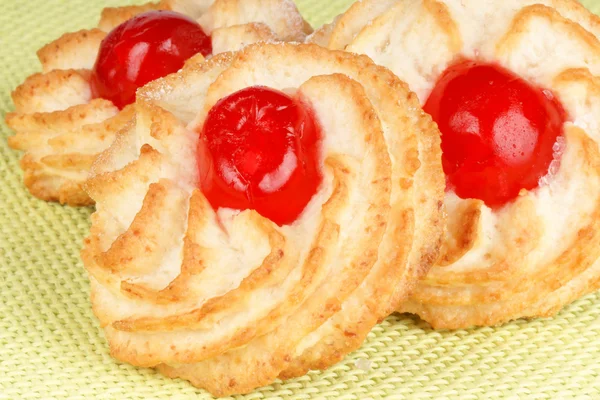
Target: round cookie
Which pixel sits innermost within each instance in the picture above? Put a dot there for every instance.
(230, 300)
(540, 251)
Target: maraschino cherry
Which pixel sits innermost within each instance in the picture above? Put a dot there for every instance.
(142, 49)
(259, 150)
(498, 131)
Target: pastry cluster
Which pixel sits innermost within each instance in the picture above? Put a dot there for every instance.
(264, 198)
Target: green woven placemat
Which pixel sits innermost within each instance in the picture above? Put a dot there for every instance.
(52, 347)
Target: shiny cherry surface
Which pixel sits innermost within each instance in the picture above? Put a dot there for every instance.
(498, 131)
(144, 48)
(259, 150)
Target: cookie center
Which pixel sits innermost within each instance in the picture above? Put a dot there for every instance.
(142, 49)
(498, 131)
(259, 150)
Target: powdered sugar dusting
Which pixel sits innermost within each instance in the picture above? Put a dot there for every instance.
(557, 151)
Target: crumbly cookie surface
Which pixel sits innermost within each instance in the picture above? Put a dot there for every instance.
(228, 300)
(541, 251)
(59, 125)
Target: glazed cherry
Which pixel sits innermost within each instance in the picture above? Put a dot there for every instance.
(498, 131)
(142, 49)
(258, 150)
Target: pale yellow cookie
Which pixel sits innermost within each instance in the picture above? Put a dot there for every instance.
(229, 300)
(61, 127)
(541, 251)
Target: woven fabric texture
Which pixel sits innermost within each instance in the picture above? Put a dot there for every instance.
(51, 346)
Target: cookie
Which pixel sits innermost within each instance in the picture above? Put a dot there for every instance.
(233, 298)
(514, 87)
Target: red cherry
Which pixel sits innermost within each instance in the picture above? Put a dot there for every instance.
(498, 131)
(259, 150)
(146, 47)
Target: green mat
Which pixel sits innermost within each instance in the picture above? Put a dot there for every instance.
(52, 347)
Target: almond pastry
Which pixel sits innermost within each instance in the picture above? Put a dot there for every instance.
(62, 123)
(514, 88)
(231, 300)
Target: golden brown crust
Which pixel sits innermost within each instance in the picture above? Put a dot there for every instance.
(73, 50)
(236, 37)
(281, 16)
(248, 301)
(52, 92)
(57, 155)
(112, 17)
(539, 252)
